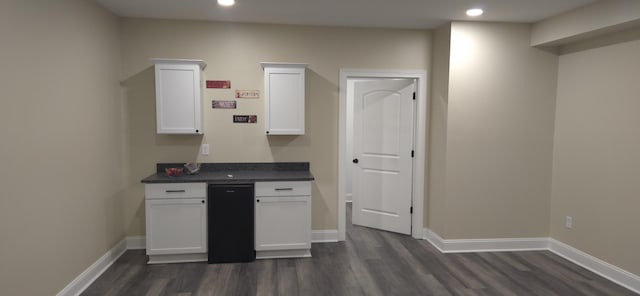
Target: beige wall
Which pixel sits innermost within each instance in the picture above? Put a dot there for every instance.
(499, 124)
(233, 52)
(596, 167)
(62, 145)
(436, 177)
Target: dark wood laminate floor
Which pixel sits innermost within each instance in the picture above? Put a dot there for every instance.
(369, 262)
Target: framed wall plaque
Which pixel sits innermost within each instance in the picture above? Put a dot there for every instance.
(245, 118)
(247, 94)
(218, 83)
(217, 104)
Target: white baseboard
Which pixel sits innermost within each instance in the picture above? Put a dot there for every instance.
(317, 236)
(136, 242)
(602, 268)
(274, 254)
(324, 236)
(598, 266)
(485, 245)
(82, 281)
(177, 258)
(434, 239)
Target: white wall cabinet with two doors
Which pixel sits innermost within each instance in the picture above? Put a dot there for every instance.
(178, 96)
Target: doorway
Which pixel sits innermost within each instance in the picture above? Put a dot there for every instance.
(383, 152)
(348, 81)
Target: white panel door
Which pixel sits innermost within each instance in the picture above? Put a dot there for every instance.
(383, 163)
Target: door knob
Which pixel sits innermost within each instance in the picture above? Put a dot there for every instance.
(355, 160)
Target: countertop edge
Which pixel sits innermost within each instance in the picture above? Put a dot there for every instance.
(218, 181)
(219, 173)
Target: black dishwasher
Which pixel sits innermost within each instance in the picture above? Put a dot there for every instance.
(231, 226)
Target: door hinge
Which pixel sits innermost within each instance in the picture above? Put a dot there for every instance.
(412, 153)
(414, 95)
(411, 210)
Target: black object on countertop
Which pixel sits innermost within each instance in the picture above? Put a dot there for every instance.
(231, 226)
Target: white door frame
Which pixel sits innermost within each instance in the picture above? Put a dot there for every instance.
(420, 138)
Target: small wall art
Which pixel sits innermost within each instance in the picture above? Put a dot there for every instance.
(218, 83)
(216, 104)
(247, 94)
(245, 118)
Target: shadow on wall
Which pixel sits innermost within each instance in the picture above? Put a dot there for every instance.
(318, 146)
(146, 148)
(114, 222)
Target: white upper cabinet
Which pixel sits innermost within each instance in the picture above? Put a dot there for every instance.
(284, 98)
(178, 96)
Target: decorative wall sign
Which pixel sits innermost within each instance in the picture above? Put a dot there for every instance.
(218, 83)
(245, 118)
(215, 104)
(247, 94)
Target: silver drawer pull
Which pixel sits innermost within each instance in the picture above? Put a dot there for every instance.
(175, 191)
(231, 191)
(284, 189)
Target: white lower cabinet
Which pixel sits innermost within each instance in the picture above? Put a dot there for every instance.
(283, 219)
(176, 222)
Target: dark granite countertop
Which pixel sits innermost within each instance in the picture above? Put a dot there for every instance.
(218, 173)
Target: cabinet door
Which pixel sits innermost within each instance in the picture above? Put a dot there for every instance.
(178, 104)
(284, 100)
(176, 226)
(283, 223)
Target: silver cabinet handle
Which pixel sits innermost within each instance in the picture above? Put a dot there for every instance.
(284, 189)
(175, 191)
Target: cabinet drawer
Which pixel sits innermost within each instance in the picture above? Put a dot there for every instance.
(294, 188)
(175, 190)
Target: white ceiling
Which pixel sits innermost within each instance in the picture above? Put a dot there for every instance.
(350, 13)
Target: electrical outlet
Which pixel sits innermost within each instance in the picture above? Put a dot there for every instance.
(568, 222)
(204, 149)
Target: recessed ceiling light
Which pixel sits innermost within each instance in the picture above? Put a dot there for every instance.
(226, 2)
(475, 12)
